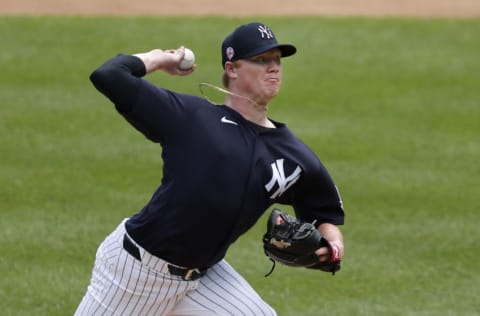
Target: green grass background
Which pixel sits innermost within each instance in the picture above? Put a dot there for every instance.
(391, 106)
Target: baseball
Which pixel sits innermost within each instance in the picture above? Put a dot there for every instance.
(188, 60)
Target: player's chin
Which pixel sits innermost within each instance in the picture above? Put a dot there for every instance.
(272, 93)
(272, 89)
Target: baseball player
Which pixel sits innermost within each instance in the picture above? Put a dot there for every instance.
(223, 167)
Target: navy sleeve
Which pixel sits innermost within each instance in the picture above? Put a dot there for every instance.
(119, 80)
(324, 206)
(318, 198)
(159, 114)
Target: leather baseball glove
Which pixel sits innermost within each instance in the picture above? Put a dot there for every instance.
(293, 243)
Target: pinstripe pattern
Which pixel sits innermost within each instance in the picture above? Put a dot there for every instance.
(222, 291)
(122, 285)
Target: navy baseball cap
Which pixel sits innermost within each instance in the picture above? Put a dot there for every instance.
(250, 40)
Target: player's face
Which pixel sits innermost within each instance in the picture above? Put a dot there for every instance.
(261, 76)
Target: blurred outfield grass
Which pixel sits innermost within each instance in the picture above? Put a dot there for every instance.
(392, 107)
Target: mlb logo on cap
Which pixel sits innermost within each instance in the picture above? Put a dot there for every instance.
(250, 40)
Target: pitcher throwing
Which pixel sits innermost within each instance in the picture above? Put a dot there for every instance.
(223, 167)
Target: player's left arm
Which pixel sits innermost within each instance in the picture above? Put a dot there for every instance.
(333, 234)
(317, 199)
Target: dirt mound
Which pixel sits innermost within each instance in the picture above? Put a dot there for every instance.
(424, 8)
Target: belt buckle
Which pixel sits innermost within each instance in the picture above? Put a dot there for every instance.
(191, 274)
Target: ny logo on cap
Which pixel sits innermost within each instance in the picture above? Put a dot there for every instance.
(265, 31)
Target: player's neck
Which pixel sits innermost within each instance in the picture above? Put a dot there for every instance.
(251, 111)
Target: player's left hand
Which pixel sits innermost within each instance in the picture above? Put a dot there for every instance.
(299, 244)
(324, 253)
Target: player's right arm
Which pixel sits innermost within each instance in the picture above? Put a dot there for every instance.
(155, 112)
(119, 80)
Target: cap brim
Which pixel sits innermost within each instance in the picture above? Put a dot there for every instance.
(285, 49)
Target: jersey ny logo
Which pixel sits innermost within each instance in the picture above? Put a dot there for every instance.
(278, 176)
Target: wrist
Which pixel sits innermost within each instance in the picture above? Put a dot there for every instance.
(151, 59)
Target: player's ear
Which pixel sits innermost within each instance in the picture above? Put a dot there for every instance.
(230, 69)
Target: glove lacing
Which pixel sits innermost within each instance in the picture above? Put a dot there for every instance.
(273, 268)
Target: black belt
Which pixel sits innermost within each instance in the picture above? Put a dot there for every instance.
(185, 273)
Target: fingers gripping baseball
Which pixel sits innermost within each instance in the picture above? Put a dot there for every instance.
(173, 61)
(179, 62)
(188, 59)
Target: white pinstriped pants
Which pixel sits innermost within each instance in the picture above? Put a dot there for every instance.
(122, 285)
